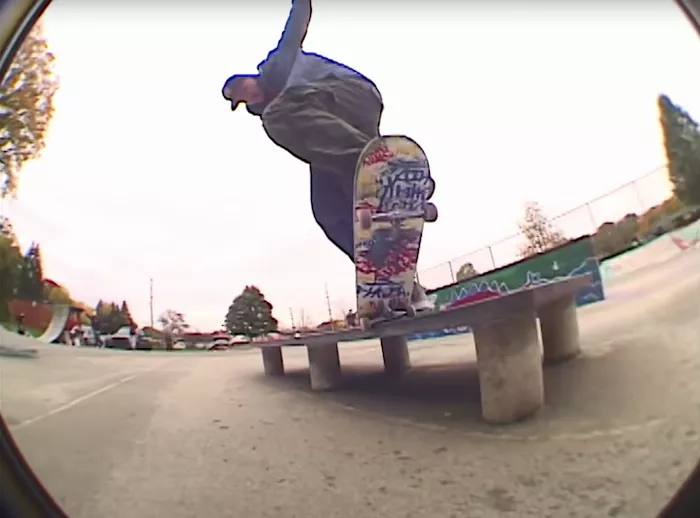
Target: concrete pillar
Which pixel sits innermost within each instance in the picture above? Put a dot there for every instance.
(273, 365)
(324, 366)
(559, 328)
(395, 353)
(510, 369)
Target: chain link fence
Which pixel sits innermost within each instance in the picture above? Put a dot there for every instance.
(635, 197)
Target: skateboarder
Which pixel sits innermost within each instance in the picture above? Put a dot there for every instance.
(20, 325)
(323, 113)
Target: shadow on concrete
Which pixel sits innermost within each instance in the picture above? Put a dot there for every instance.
(617, 387)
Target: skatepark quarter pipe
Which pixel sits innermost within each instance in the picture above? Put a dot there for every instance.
(57, 324)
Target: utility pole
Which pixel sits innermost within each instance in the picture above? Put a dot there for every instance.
(151, 301)
(330, 313)
(291, 316)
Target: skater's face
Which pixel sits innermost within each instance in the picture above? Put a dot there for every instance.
(243, 90)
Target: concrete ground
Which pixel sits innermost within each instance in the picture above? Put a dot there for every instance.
(138, 434)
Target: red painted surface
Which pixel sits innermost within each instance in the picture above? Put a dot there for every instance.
(472, 299)
(35, 316)
(684, 244)
(381, 154)
(401, 258)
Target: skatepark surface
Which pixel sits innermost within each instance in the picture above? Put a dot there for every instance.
(142, 434)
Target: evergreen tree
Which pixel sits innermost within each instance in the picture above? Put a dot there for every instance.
(11, 266)
(31, 285)
(108, 318)
(682, 143)
(126, 316)
(250, 314)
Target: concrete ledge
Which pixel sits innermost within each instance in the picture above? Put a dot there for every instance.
(273, 364)
(395, 353)
(324, 367)
(505, 330)
(510, 369)
(559, 328)
(476, 313)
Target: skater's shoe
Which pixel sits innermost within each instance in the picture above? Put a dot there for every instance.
(419, 299)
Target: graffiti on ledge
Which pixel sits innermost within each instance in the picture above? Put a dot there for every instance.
(572, 259)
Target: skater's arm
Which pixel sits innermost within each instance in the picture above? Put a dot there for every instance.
(275, 69)
(295, 29)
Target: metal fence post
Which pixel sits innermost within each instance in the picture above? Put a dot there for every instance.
(590, 215)
(452, 273)
(493, 261)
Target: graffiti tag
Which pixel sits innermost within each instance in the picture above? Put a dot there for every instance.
(381, 290)
(404, 185)
(381, 154)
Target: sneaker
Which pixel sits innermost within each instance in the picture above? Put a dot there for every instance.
(420, 300)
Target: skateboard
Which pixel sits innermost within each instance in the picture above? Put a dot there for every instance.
(392, 189)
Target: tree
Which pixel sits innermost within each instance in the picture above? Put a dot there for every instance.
(174, 325)
(26, 107)
(612, 238)
(11, 262)
(466, 271)
(126, 314)
(539, 232)
(59, 295)
(250, 314)
(31, 284)
(682, 143)
(108, 318)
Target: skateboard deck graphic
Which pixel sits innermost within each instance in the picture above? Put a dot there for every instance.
(392, 189)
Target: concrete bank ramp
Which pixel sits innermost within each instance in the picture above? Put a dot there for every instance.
(658, 251)
(57, 324)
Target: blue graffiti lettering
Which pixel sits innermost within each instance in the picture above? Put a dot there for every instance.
(381, 290)
(403, 185)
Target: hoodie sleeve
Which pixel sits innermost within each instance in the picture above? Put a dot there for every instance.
(275, 69)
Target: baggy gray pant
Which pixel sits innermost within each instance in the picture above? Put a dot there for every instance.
(327, 124)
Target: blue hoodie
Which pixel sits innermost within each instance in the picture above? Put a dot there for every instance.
(288, 65)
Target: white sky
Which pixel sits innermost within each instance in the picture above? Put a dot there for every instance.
(147, 173)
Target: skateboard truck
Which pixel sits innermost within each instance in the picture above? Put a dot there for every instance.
(395, 217)
(384, 312)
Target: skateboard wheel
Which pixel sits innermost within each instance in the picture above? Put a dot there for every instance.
(385, 310)
(402, 305)
(431, 212)
(431, 189)
(410, 311)
(365, 218)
